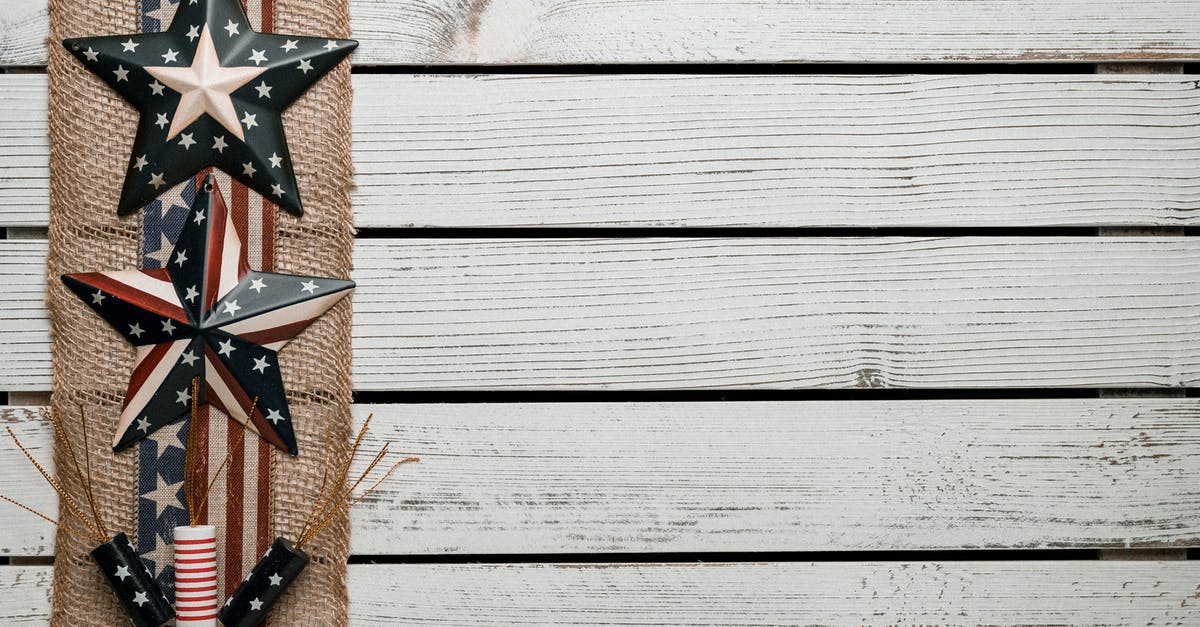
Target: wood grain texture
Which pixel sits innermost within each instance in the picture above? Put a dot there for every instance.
(951, 593)
(720, 313)
(717, 31)
(776, 313)
(25, 534)
(24, 151)
(24, 27)
(714, 31)
(746, 594)
(24, 325)
(748, 151)
(25, 595)
(808, 151)
(767, 476)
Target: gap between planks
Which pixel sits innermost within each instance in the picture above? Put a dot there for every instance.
(950, 593)
(433, 32)
(515, 151)
(735, 313)
(1163, 68)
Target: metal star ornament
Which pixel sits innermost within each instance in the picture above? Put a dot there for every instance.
(210, 92)
(207, 315)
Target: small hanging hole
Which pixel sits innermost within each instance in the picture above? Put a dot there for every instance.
(208, 187)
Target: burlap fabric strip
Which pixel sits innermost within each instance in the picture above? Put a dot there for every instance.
(91, 129)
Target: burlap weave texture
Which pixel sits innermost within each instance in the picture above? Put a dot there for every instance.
(91, 131)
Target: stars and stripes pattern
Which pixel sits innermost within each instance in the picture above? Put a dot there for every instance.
(195, 575)
(143, 599)
(210, 90)
(264, 586)
(162, 176)
(206, 315)
(240, 500)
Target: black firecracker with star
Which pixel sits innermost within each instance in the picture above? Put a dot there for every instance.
(143, 600)
(267, 582)
(210, 92)
(207, 315)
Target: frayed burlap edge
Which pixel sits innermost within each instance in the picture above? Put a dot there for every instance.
(91, 130)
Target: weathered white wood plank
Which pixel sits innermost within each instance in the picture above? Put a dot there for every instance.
(805, 151)
(950, 593)
(24, 151)
(24, 326)
(711, 313)
(651, 31)
(776, 151)
(25, 534)
(708, 31)
(771, 476)
(582, 478)
(776, 313)
(24, 27)
(25, 595)
(942, 593)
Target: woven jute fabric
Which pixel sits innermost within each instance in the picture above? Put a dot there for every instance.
(91, 131)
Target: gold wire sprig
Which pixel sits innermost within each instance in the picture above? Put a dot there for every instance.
(96, 531)
(326, 500)
(338, 500)
(75, 532)
(84, 479)
(72, 506)
(324, 478)
(190, 452)
(196, 506)
(341, 495)
(87, 460)
(345, 506)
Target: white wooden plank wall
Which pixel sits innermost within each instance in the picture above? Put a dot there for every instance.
(576, 478)
(749, 594)
(686, 504)
(750, 151)
(724, 313)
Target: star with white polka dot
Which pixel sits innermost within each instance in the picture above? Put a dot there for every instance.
(210, 75)
(206, 315)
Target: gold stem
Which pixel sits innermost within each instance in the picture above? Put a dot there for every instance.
(342, 496)
(62, 437)
(72, 507)
(323, 507)
(228, 456)
(329, 519)
(74, 532)
(189, 456)
(338, 498)
(87, 459)
(320, 490)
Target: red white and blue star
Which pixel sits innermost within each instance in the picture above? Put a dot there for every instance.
(210, 91)
(207, 315)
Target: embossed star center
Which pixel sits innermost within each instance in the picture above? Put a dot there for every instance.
(205, 87)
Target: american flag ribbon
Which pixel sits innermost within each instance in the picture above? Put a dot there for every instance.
(240, 503)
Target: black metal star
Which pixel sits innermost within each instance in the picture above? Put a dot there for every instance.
(210, 92)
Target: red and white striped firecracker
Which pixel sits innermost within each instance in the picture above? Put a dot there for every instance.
(196, 576)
